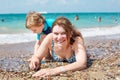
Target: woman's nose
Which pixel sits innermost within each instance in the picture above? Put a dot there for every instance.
(59, 36)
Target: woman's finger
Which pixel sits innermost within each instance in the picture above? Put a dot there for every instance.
(29, 60)
(40, 73)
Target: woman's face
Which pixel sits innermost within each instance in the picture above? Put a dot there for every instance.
(59, 35)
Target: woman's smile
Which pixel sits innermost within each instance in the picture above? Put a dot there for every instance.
(61, 41)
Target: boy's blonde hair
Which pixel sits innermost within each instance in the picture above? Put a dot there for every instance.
(34, 19)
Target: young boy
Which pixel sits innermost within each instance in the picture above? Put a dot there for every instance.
(36, 23)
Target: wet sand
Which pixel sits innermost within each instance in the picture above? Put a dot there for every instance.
(103, 61)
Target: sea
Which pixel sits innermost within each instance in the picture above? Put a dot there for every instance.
(13, 30)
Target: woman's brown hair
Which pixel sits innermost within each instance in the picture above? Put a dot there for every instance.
(71, 32)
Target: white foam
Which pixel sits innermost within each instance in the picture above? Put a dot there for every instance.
(16, 38)
(86, 32)
(99, 31)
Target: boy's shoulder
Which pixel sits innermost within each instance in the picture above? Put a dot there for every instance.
(50, 20)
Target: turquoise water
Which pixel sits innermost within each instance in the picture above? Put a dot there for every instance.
(15, 23)
(88, 20)
(12, 26)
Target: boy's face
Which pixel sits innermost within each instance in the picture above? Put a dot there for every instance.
(37, 29)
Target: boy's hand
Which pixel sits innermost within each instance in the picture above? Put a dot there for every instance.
(34, 63)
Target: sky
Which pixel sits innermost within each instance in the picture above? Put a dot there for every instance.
(62, 6)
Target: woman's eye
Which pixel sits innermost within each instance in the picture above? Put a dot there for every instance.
(56, 33)
(63, 33)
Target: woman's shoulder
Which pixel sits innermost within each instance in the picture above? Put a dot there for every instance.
(48, 40)
(78, 42)
(48, 37)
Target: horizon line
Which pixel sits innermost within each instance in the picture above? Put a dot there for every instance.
(44, 12)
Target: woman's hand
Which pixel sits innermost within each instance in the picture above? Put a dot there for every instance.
(34, 63)
(44, 73)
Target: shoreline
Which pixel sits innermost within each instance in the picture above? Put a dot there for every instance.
(86, 32)
(15, 49)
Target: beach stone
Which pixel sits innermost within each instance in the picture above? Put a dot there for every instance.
(14, 64)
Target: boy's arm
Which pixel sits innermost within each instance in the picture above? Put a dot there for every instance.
(37, 45)
(38, 42)
(34, 60)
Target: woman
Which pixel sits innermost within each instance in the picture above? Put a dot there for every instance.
(64, 44)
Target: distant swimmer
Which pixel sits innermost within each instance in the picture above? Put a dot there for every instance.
(115, 21)
(76, 17)
(99, 19)
(2, 20)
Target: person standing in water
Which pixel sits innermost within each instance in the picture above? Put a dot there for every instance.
(99, 19)
(76, 17)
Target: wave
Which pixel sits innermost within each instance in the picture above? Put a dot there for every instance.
(16, 38)
(100, 31)
(86, 32)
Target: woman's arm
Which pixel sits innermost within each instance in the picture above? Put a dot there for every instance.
(39, 54)
(44, 47)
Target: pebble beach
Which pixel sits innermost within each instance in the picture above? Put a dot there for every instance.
(103, 61)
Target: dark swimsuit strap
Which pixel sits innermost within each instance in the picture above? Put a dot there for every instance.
(55, 57)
